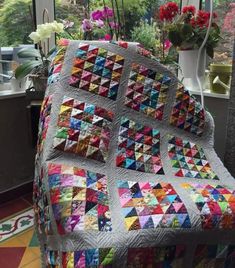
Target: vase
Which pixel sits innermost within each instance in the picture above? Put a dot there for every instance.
(220, 78)
(188, 68)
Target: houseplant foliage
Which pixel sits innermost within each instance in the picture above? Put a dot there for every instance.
(16, 22)
(187, 30)
(36, 60)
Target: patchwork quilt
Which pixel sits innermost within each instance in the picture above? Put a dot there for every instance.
(126, 174)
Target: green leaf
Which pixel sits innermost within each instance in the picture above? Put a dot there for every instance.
(26, 68)
(50, 52)
(210, 51)
(28, 53)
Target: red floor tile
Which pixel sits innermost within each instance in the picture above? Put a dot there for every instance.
(11, 257)
(12, 207)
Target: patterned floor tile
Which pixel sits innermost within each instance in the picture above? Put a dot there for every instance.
(10, 257)
(83, 129)
(34, 264)
(79, 199)
(189, 160)
(28, 257)
(150, 205)
(13, 207)
(215, 203)
(17, 224)
(147, 91)
(139, 147)
(97, 70)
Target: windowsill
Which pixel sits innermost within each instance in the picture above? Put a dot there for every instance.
(7, 91)
(8, 94)
(208, 93)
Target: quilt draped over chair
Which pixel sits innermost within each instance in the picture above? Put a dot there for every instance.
(126, 174)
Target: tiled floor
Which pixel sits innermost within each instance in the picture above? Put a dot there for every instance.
(18, 243)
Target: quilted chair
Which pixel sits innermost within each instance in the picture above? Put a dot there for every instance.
(126, 174)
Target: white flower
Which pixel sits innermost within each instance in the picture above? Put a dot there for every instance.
(57, 27)
(44, 30)
(35, 37)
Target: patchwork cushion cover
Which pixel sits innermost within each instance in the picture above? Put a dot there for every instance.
(126, 174)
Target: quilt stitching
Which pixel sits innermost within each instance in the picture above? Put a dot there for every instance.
(102, 257)
(147, 91)
(189, 160)
(79, 199)
(97, 70)
(150, 205)
(44, 122)
(170, 256)
(57, 62)
(41, 205)
(187, 113)
(83, 129)
(214, 256)
(138, 147)
(215, 203)
(52, 258)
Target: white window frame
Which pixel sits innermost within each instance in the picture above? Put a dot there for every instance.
(39, 7)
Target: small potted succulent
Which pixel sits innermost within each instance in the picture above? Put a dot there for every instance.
(36, 62)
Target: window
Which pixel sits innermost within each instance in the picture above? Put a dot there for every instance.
(16, 23)
(226, 21)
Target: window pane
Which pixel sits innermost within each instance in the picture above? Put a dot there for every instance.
(16, 23)
(225, 10)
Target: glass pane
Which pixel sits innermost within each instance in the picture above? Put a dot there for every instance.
(225, 10)
(135, 20)
(134, 12)
(16, 23)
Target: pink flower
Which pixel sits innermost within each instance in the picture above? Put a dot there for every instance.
(107, 12)
(87, 25)
(97, 15)
(107, 37)
(167, 44)
(99, 23)
(113, 25)
(67, 24)
(228, 25)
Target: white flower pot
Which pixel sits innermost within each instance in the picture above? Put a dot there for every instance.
(188, 66)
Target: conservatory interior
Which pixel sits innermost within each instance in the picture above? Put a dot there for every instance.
(117, 133)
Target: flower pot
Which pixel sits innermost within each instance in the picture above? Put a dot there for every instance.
(37, 92)
(188, 65)
(220, 78)
(39, 82)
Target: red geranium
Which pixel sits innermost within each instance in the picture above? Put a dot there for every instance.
(189, 9)
(201, 20)
(168, 11)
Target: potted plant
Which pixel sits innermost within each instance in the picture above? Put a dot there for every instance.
(186, 30)
(36, 62)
